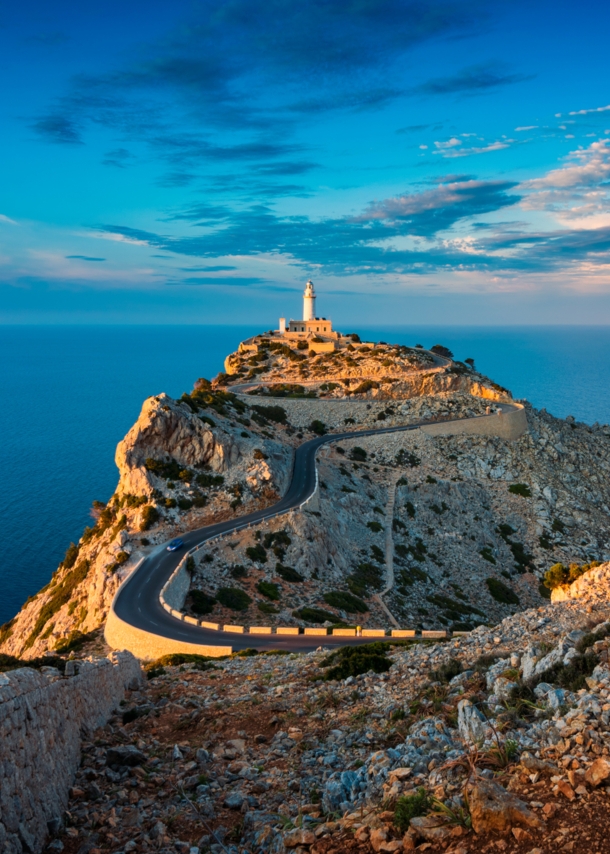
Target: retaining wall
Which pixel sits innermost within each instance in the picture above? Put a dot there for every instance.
(148, 646)
(42, 718)
(508, 424)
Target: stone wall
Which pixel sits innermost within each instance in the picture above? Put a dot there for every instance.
(148, 646)
(508, 423)
(43, 717)
(176, 587)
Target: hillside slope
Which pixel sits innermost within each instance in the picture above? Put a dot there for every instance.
(476, 521)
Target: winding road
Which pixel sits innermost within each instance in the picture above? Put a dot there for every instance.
(137, 601)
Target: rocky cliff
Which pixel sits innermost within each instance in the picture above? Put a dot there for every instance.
(459, 529)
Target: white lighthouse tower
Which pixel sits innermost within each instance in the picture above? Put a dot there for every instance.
(309, 302)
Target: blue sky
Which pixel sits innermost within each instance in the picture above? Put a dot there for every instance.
(196, 162)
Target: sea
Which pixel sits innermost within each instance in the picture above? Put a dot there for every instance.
(69, 394)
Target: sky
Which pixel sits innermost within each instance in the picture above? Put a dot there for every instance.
(196, 162)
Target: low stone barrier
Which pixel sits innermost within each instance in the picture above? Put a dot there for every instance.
(316, 632)
(510, 423)
(260, 630)
(42, 716)
(237, 630)
(403, 633)
(287, 630)
(373, 633)
(148, 646)
(344, 633)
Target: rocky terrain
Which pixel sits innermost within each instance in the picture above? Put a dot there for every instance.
(498, 741)
(297, 368)
(459, 530)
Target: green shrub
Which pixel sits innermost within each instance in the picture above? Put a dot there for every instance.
(205, 479)
(358, 454)
(411, 806)
(440, 350)
(277, 538)
(185, 503)
(74, 642)
(375, 527)
(71, 556)
(559, 574)
(201, 603)
(345, 602)
(267, 608)
(558, 527)
(365, 576)
(168, 469)
(447, 671)
(407, 458)
(453, 608)
(355, 660)
(501, 592)
(520, 489)
(287, 573)
(233, 598)
(365, 386)
(314, 615)
(378, 554)
(150, 515)
(239, 571)
(486, 553)
(571, 676)
(175, 659)
(257, 553)
(410, 510)
(269, 589)
(273, 413)
(318, 427)
(60, 596)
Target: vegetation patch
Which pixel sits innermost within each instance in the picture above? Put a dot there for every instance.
(11, 662)
(501, 592)
(358, 454)
(571, 676)
(206, 479)
(272, 413)
(411, 806)
(487, 554)
(175, 659)
(269, 590)
(363, 578)
(200, 602)
(318, 427)
(314, 615)
(233, 598)
(150, 516)
(345, 602)
(559, 574)
(61, 594)
(287, 573)
(520, 489)
(257, 553)
(355, 660)
(447, 671)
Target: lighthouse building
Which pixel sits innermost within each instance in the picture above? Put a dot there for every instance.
(310, 326)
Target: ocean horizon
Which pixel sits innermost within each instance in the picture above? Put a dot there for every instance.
(70, 393)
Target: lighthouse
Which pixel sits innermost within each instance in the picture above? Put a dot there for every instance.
(309, 302)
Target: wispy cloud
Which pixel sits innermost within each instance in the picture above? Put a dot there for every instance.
(475, 79)
(85, 258)
(588, 112)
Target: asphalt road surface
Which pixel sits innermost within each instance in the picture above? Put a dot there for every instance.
(137, 601)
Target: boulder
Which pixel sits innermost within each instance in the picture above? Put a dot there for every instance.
(492, 808)
(125, 755)
(431, 828)
(472, 725)
(597, 773)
